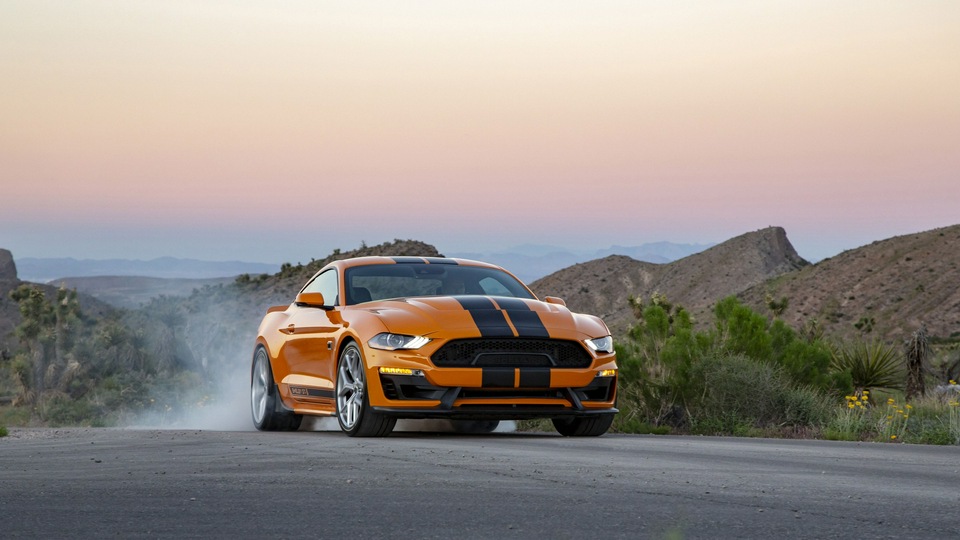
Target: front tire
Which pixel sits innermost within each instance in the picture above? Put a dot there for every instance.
(587, 426)
(356, 417)
(264, 400)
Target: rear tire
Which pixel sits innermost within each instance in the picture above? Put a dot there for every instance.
(267, 416)
(356, 417)
(585, 426)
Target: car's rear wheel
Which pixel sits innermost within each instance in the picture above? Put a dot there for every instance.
(356, 417)
(587, 426)
(263, 398)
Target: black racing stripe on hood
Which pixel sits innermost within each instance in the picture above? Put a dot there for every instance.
(526, 321)
(489, 320)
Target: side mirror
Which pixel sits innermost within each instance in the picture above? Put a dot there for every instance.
(555, 300)
(310, 299)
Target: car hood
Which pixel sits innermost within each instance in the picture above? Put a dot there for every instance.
(487, 316)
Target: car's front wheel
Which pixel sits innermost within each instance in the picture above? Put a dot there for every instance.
(587, 426)
(263, 398)
(356, 417)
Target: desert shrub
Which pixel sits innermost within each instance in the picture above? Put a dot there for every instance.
(806, 361)
(805, 406)
(656, 363)
(870, 364)
(14, 416)
(740, 394)
(3, 431)
(741, 330)
(63, 411)
(666, 366)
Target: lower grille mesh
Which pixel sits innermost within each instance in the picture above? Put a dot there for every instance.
(517, 352)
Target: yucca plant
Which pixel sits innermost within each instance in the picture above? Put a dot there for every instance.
(871, 364)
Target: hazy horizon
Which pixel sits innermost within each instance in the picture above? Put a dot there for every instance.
(239, 130)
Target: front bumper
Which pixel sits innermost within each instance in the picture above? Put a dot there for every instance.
(505, 394)
(492, 412)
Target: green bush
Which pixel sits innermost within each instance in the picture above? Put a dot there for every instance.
(63, 411)
(807, 361)
(3, 431)
(14, 416)
(740, 395)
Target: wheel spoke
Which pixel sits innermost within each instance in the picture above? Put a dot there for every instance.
(354, 366)
(352, 409)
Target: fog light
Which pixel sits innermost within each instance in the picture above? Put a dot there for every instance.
(401, 371)
(607, 373)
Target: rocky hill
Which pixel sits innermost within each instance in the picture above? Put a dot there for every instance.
(885, 289)
(9, 313)
(603, 286)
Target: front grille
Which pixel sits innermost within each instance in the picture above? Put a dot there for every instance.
(517, 352)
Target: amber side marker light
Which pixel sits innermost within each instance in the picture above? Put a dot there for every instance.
(401, 371)
(607, 373)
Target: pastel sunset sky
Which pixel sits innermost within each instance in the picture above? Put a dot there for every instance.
(278, 131)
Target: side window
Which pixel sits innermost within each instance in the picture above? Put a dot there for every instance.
(326, 284)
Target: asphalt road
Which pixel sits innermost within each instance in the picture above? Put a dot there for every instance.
(96, 483)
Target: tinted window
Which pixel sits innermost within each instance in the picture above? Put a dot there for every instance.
(325, 284)
(381, 281)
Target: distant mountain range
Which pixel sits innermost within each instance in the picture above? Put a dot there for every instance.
(530, 262)
(46, 270)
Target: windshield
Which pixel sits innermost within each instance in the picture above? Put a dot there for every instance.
(381, 281)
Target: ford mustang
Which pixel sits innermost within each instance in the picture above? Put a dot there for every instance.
(374, 339)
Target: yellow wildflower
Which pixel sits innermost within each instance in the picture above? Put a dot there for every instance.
(893, 436)
(909, 406)
(953, 381)
(849, 405)
(890, 401)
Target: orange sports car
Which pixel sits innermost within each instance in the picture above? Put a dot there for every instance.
(373, 339)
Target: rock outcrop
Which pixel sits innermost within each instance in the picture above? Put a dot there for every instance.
(8, 269)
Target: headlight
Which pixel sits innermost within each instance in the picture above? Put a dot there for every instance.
(392, 342)
(600, 345)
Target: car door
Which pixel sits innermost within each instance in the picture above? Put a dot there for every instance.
(311, 334)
